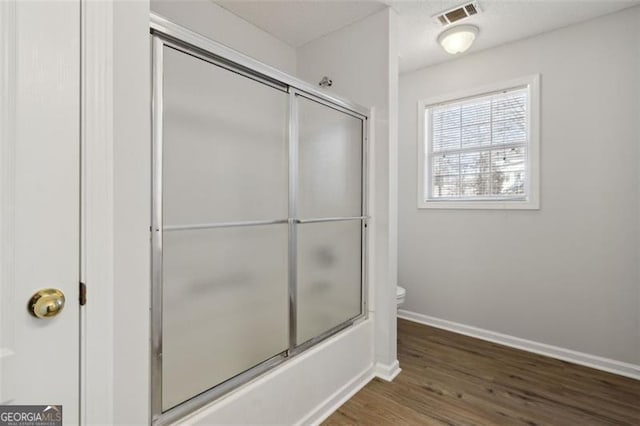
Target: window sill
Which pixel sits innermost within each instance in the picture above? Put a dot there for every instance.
(480, 204)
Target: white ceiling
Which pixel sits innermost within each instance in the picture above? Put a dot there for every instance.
(499, 22)
(297, 22)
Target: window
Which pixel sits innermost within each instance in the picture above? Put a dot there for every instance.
(479, 149)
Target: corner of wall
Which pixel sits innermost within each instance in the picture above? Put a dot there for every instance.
(131, 218)
(393, 172)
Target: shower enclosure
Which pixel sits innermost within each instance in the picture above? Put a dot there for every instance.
(259, 218)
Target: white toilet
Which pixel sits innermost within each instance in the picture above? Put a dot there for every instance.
(400, 295)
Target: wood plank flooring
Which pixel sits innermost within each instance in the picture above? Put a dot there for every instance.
(451, 379)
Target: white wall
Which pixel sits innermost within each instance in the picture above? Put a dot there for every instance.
(131, 212)
(565, 275)
(362, 61)
(217, 23)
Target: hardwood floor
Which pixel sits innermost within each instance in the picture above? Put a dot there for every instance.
(451, 379)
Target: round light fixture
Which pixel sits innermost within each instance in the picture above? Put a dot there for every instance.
(458, 39)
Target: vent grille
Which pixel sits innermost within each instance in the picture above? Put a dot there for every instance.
(458, 13)
(471, 9)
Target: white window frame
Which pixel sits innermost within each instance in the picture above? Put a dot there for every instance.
(531, 199)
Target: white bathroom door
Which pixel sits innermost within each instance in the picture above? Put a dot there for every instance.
(39, 212)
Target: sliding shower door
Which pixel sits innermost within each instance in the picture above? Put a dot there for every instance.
(224, 217)
(258, 221)
(330, 216)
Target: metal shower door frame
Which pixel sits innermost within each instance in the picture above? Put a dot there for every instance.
(295, 221)
(165, 33)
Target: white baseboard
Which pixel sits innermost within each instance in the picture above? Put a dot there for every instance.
(588, 360)
(331, 404)
(387, 372)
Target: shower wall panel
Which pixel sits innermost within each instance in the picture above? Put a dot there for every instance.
(330, 161)
(330, 205)
(329, 276)
(225, 305)
(224, 281)
(225, 144)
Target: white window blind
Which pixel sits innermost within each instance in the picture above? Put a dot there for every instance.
(476, 149)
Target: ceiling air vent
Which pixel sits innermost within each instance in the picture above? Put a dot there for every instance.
(458, 13)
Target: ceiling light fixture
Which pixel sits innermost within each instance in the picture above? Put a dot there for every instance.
(458, 39)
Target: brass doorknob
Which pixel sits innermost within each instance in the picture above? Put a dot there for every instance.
(46, 303)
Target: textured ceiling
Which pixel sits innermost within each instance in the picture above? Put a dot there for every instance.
(501, 21)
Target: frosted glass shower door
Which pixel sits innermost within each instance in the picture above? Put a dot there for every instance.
(330, 218)
(224, 273)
